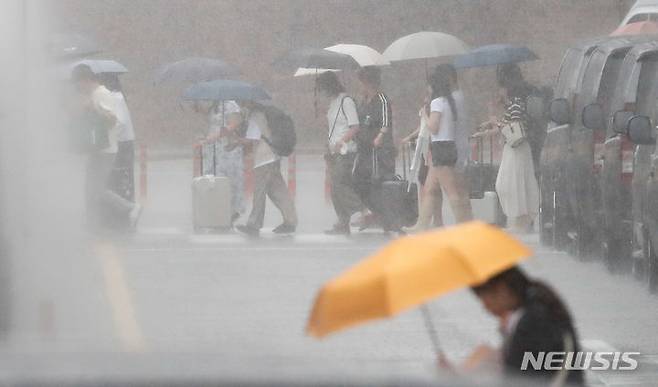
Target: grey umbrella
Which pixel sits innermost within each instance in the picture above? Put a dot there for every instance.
(493, 55)
(195, 69)
(225, 90)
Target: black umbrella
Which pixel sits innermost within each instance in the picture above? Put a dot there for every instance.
(68, 46)
(317, 59)
(225, 90)
(195, 69)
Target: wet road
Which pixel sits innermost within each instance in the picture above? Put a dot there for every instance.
(167, 290)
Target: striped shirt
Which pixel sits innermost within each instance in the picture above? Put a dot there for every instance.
(515, 110)
(374, 115)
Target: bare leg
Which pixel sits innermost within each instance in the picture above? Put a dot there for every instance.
(461, 205)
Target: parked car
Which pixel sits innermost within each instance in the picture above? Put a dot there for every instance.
(642, 131)
(584, 155)
(631, 96)
(553, 224)
(642, 10)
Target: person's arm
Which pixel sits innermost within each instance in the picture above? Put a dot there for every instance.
(434, 122)
(411, 136)
(103, 105)
(349, 108)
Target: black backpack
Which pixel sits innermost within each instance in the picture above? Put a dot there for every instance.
(282, 128)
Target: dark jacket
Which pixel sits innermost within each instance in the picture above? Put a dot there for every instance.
(537, 331)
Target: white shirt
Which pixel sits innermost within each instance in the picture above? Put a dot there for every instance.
(256, 128)
(102, 99)
(345, 117)
(124, 121)
(447, 124)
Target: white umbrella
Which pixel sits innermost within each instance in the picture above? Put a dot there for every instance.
(425, 45)
(363, 55)
(97, 66)
(102, 66)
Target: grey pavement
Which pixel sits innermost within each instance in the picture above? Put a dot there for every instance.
(166, 290)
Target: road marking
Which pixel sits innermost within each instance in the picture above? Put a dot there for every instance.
(118, 293)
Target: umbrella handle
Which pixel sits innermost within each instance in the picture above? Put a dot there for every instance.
(431, 330)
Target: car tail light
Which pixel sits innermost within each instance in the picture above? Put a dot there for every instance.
(627, 160)
(599, 149)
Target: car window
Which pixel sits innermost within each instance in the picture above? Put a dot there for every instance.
(592, 76)
(608, 82)
(647, 90)
(641, 17)
(568, 73)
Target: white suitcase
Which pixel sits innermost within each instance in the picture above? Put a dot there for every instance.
(486, 209)
(211, 202)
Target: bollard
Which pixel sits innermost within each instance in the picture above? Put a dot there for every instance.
(292, 175)
(142, 173)
(196, 159)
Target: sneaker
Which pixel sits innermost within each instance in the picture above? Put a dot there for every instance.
(247, 230)
(339, 229)
(134, 215)
(284, 228)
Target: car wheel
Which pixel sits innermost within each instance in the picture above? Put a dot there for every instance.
(652, 266)
(584, 242)
(547, 221)
(615, 254)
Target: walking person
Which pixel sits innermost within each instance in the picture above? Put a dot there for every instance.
(532, 319)
(223, 153)
(268, 179)
(104, 123)
(442, 122)
(375, 160)
(516, 183)
(343, 125)
(123, 179)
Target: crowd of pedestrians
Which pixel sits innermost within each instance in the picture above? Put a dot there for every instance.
(360, 155)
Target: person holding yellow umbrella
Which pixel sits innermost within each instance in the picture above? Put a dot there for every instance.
(413, 270)
(532, 319)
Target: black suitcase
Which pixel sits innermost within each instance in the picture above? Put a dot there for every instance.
(396, 196)
(481, 175)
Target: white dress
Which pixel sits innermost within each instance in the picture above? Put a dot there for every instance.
(516, 183)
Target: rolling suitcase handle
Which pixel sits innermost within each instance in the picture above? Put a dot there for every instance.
(214, 158)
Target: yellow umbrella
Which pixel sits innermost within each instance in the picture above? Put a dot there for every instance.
(411, 271)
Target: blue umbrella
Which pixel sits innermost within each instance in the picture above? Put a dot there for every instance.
(224, 90)
(493, 55)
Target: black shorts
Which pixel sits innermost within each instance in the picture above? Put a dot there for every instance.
(444, 153)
